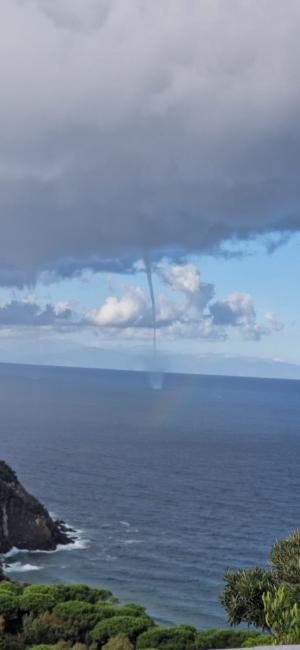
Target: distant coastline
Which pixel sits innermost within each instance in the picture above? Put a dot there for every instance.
(38, 368)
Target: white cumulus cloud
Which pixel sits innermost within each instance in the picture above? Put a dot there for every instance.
(123, 311)
(186, 278)
(191, 314)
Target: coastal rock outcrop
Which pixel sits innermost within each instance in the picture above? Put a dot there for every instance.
(24, 522)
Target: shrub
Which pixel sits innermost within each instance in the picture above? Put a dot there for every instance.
(8, 642)
(285, 559)
(258, 640)
(106, 610)
(180, 637)
(282, 616)
(44, 628)
(10, 587)
(242, 596)
(104, 595)
(37, 599)
(42, 646)
(83, 593)
(216, 638)
(119, 642)
(9, 604)
(51, 590)
(77, 618)
(128, 625)
(132, 610)
(244, 590)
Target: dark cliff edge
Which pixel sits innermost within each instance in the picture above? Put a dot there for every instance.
(24, 522)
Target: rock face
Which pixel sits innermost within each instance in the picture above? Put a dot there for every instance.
(24, 522)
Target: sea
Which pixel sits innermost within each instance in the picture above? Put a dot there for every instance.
(168, 480)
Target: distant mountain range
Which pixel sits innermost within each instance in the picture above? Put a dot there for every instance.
(139, 358)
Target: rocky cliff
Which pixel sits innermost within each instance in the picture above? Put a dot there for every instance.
(24, 522)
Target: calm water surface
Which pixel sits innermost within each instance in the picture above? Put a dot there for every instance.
(169, 487)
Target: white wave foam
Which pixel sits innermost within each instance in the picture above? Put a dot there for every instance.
(13, 551)
(131, 541)
(79, 544)
(18, 567)
(129, 530)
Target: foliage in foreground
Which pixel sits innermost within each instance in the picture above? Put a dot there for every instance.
(214, 639)
(60, 617)
(282, 615)
(66, 616)
(268, 599)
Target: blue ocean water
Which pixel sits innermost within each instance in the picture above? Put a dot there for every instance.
(169, 487)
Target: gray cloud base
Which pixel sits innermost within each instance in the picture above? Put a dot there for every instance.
(165, 127)
(29, 313)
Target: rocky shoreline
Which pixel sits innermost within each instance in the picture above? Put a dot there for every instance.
(24, 522)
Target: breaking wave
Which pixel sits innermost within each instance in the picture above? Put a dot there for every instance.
(18, 567)
(80, 543)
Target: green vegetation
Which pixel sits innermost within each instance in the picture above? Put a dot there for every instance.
(268, 599)
(40, 617)
(78, 617)
(180, 637)
(242, 596)
(127, 625)
(258, 640)
(60, 617)
(282, 615)
(119, 642)
(213, 639)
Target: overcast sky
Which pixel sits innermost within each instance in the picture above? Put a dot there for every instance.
(162, 131)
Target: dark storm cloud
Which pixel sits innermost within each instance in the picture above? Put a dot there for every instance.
(144, 126)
